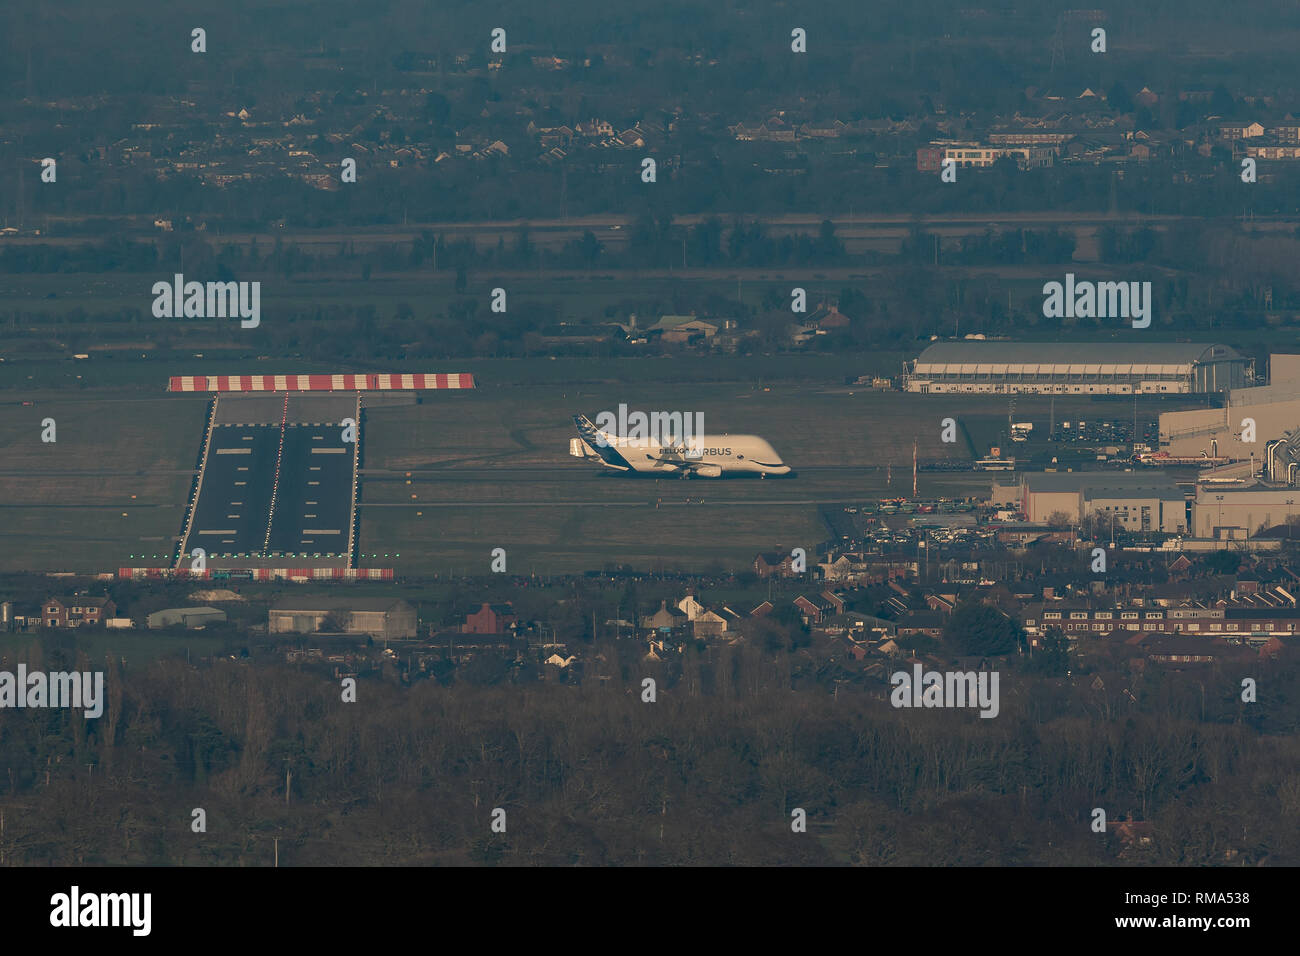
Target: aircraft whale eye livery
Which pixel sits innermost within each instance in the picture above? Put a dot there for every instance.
(697, 456)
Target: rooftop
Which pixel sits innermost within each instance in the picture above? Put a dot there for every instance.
(1099, 483)
(310, 604)
(1083, 357)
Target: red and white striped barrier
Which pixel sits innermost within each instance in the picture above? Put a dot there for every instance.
(320, 383)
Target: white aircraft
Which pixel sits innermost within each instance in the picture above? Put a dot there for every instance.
(699, 456)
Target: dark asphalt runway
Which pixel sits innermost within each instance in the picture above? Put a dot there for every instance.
(313, 492)
(235, 495)
(314, 504)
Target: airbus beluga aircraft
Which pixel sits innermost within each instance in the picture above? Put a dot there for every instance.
(697, 456)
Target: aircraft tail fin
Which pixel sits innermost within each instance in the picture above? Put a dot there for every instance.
(600, 442)
(590, 434)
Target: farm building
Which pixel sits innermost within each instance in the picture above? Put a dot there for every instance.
(1076, 368)
(186, 616)
(388, 618)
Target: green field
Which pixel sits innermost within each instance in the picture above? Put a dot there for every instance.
(113, 483)
(490, 468)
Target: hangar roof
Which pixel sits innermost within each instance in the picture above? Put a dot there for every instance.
(1097, 483)
(314, 605)
(1075, 358)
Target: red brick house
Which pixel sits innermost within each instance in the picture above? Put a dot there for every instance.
(929, 623)
(490, 619)
(828, 317)
(77, 611)
(834, 601)
(773, 564)
(814, 609)
(943, 603)
(928, 159)
(1175, 649)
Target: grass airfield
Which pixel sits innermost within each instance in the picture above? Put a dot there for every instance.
(490, 468)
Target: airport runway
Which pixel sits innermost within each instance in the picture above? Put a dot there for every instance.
(235, 497)
(586, 503)
(577, 472)
(310, 479)
(314, 505)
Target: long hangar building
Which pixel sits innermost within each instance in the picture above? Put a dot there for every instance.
(1077, 368)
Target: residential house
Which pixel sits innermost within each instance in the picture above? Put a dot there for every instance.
(1240, 130)
(1284, 151)
(690, 607)
(778, 564)
(1174, 649)
(832, 130)
(490, 619)
(709, 624)
(665, 619)
(944, 603)
(595, 129)
(835, 602)
(632, 138)
(929, 623)
(77, 611)
(828, 317)
(814, 609)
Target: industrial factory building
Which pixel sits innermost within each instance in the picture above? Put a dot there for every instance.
(1077, 368)
(1238, 513)
(1273, 410)
(1134, 502)
(387, 618)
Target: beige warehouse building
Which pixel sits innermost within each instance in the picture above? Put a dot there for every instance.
(1076, 368)
(1135, 501)
(386, 618)
(1222, 513)
(1219, 432)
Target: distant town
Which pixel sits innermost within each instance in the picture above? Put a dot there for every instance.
(684, 435)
